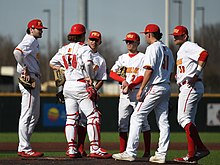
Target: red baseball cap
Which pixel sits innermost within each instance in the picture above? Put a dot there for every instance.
(151, 28)
(132, 36)
(77, 29)
(179, 30)
(36, 23)
(95, 35)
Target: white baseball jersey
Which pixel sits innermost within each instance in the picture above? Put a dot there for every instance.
(99, 64)
(133, 64)
(29, 47)
(127, 102)
(72, 57)
(162, 62)
(187, 58)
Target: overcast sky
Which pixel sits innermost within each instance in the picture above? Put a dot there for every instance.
(113, 18)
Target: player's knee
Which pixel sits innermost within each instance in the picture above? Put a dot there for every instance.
(94, 118)
(123, 125)
(72, 119)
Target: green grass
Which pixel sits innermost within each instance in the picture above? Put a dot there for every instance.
(212, 159)
(106, 137)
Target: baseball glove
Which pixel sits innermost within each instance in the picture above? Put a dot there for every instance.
(59, 77)
(60, 97)
(122, 71)
(27, 84)
(92, 93)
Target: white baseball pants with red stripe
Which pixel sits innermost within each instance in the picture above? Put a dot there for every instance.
(157, 99)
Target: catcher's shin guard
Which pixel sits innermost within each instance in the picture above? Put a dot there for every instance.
(93, 129)
(71, 129)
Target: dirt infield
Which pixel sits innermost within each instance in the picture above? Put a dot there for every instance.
(76, 161)
(61, 147)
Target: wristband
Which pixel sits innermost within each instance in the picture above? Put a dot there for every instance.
(199, 70)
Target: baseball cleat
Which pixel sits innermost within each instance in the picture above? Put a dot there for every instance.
(147, 156)
(201, 154)
(157, 159)
(83, 153)
(67, 153)
(186, 159)
(19, 153)
(100, 154)
(75, 155)
(123, 156)
(30, 154)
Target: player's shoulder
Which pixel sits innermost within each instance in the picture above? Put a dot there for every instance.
(140, 54)
(99, 56)
(84, 48)
(28, 40)
(124, 55)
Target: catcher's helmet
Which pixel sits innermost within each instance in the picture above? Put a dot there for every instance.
(77, 29)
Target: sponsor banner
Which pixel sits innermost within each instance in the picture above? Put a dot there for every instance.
(54, 115)
(213, 114)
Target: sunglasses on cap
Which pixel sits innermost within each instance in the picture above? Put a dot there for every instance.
(129, 42)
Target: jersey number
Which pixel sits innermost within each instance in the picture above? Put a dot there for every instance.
(181, 68)
(71, 61)
(165, 63)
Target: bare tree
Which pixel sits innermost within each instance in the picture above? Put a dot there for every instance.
(6, 51)
(211, 34)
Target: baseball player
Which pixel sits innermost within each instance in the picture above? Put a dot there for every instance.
(133, 61)
(100, 75)
(191, 60)
(77, 60)
(28, 65)
(153, 94)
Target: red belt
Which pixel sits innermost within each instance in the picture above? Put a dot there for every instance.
(185, 82)
(82, 80)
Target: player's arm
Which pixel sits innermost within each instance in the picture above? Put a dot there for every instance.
(19, 56)
(98, 84)
(201, 64)
(147, 74)
(116, 77)
(137, 81)
(89, 72)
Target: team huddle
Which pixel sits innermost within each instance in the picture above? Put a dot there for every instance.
(144, 80)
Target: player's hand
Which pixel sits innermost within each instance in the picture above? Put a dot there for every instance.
(89, 81)
(124, 84)
(138, 96)
(25, 74)
(192, 82)
(56, 67)
(125, 90)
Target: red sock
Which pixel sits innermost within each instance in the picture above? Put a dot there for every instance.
(190, 139)
(199, 143)
(81, 137)
(123, 141)
(147, 142)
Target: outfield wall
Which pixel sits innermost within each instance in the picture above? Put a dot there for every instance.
(53, 114)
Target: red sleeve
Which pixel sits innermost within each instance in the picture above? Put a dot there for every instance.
(203, 56)
(116, 77)
(137, 81)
